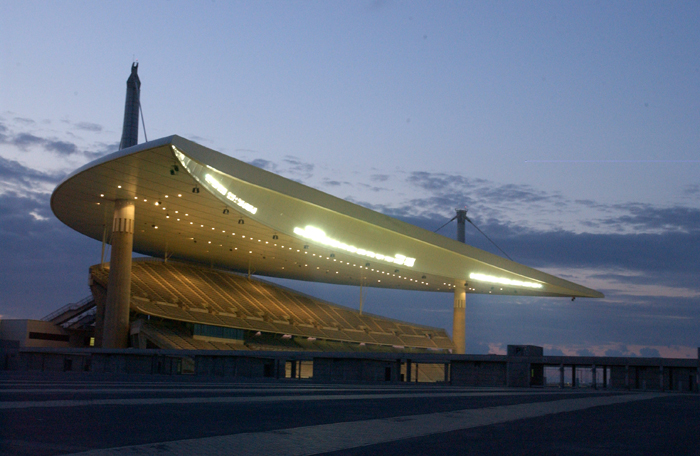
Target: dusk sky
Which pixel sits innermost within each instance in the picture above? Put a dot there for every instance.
(570, 131)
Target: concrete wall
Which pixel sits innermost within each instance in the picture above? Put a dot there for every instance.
(462, 370)
(355, 370)
(29, 333)
(478, 373)
(236, 366)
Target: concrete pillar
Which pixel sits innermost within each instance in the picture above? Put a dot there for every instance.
(595, 377)
(116, 313)
(459, 320)
(697, 374)
(561, 376)
(627, 376)
(408, 371)
(605, 377)
(573, 376)
(661, 378)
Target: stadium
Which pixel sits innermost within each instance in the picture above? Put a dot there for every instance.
(211, 225)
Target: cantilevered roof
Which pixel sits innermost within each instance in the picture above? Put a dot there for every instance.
(196, 204)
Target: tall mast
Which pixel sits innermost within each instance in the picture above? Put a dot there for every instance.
(130, 130)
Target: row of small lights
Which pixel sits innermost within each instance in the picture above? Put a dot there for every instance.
(158, 203)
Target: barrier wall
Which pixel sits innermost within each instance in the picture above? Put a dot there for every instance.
(523, 368)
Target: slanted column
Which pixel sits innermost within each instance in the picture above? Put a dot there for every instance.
(116, 321)
(459, 322)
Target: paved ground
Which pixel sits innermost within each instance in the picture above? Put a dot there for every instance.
(144, 418)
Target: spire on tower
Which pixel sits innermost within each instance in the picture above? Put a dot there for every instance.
(130, 130)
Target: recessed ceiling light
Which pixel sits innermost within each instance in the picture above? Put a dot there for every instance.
(119, 186)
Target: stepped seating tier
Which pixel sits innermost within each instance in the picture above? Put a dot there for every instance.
(194, 294)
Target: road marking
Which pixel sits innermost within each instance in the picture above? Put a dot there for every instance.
(206, 390)
(244, 399)
(324, 438)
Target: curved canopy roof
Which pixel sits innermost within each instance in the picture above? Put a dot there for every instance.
(196, 204)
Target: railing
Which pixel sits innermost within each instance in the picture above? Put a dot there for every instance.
(68, 308)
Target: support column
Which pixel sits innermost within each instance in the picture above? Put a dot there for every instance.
(573, 376)
(605, 377)
(459, 322)
(116, 325)
(595, 377)
(561, 376)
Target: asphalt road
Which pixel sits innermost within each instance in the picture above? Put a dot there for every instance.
(289, 417)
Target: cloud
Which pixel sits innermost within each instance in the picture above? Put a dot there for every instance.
(26, 140)
(298, 167)
(332, 183)
(442, 181)
(691, 190)
(648, 218)
(88, 126)
(14, 176)
(47, 262)
(60, 147)
(647, 352)
(379, 177)
(264, 164)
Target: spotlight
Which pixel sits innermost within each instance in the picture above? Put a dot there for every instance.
(195, 189)
(573, 298)
(366, 265)
(275, 237)
(423, 277)
(174, 170)
(157, 203)
(333, 255)
(306, 247)
(225, 211)
(396, 271)
(241, 221)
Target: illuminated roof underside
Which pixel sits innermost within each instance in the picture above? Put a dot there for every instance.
(197, 204)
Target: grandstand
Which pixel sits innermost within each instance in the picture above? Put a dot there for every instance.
(182, 306)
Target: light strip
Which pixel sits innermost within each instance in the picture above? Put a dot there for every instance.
(504, 281)
(318, 235)
(229, 196)
(211, 180)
